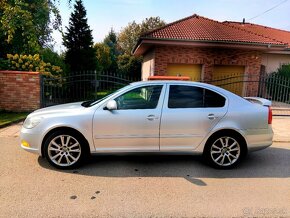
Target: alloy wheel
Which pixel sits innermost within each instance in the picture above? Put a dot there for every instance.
(225, 151)
(64, 150)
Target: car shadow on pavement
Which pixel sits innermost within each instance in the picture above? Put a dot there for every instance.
(269, 163)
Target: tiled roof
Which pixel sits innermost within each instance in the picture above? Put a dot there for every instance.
(276, 34)
(197, 28)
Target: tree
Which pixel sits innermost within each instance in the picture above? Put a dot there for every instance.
(50, 56)
(111, 41)
(129, 65)
(103, 55)
(25, 25)
(129, 35)
(151, 23)
(78, 40)
(284, 70)
(276, 84)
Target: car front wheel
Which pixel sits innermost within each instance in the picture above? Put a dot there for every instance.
(64, 150)
(224, 151)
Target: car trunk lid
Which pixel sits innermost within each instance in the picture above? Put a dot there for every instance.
(263, 102)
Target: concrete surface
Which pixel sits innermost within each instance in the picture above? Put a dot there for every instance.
(281, 128)
(143, 185)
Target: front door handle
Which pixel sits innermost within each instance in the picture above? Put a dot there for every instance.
(152, 117)
(211, 116)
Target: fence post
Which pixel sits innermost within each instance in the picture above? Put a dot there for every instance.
(96, 88)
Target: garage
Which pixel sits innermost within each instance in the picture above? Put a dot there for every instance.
(191, 70)
(229, 77)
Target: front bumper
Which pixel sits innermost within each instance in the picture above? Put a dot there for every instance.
(30, 141)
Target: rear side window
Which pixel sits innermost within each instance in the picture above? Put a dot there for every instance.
(213, 99)
(193, 97)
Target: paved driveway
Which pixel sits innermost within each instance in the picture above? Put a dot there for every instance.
(143, 185)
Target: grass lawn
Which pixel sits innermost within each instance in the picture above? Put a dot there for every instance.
(9, 117)
(103, 94)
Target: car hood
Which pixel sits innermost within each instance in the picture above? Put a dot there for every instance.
(63, 108)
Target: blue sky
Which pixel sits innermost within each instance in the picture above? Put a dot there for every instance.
(106, 14)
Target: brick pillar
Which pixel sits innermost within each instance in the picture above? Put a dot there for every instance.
(19, 91)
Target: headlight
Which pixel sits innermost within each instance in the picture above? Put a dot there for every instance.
(32, 122)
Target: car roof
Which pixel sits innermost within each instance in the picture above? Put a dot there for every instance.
(177, 82)
(164, 81)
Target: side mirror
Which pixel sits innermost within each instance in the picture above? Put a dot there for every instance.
(111, 105)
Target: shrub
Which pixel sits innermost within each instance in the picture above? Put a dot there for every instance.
(4, 64)
(49, 56)
(32, 63)
(277, 84)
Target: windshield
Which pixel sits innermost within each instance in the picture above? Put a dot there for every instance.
(93, 102)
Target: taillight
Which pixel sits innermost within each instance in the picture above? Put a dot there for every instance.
(269, 115)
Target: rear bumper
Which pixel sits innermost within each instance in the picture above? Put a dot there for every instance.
(258, 139)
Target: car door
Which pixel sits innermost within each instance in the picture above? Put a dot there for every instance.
(189, 113)
(134, 126)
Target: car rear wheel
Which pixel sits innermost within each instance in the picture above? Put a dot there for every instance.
(224, 151)
(64, 150)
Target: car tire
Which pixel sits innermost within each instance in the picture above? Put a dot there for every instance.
(65, 149)
(224, 151)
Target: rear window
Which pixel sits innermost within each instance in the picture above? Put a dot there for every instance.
(181, 96)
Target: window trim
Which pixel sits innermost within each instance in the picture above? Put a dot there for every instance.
(192, 85)
(140, 87)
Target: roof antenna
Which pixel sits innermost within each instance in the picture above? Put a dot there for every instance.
(244, 20)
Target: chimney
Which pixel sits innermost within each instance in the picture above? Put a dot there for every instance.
(244, 20)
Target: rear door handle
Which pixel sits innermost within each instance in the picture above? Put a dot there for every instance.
(211, 116)
(152, 117)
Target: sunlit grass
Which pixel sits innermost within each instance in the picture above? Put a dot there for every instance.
(9, 117)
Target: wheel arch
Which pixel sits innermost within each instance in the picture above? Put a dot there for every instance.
(63, 128)
(230, 132)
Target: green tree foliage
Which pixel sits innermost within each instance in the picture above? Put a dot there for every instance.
(25, 25)
(277, 82)
(130, 65)
(128, 38)
(78, 40)
(284, 70)
(103, 55)
(151, 23)
(111, 41)
(50, 56)
(129, 35)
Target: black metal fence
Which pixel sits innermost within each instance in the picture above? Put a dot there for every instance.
(95, 85)
(273, 87)
(80, 87)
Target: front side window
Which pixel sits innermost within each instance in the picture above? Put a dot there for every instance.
(140, 98)
(193, 97)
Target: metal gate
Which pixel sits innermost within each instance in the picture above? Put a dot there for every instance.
(273, 87)
(80, 87)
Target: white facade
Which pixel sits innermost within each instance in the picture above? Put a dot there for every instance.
(148, 65)
(273, 61)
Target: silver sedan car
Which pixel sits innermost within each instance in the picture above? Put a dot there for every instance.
(152, 116)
